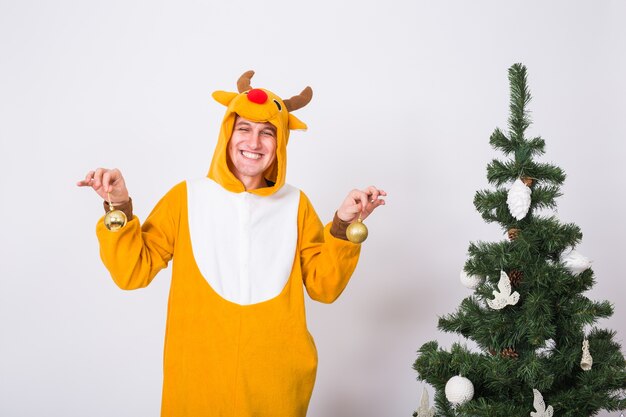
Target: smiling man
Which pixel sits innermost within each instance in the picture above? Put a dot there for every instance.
(244, 246)
(251, 151)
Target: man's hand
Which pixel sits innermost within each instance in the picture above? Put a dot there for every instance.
(107, 182)
(360, 202)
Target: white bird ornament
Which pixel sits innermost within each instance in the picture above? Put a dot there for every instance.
(540, 406)
(425, 409)
(504, 296)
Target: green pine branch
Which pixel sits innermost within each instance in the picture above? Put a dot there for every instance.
(520, 97)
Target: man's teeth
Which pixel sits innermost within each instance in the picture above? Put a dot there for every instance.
(251, 155)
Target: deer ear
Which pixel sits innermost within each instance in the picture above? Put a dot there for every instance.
(295, 123)
(224, 97)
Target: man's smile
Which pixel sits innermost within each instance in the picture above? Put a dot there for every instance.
(251, 155)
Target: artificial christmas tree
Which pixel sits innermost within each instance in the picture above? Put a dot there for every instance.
(528, 315)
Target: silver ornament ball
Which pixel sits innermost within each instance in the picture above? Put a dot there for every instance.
(459, 390)
(470, 281)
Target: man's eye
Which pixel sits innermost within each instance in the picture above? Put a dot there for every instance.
(268, 132)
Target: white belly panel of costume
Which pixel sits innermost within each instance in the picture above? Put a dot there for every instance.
(243, 244)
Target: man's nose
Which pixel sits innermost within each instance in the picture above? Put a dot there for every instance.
(254, 140)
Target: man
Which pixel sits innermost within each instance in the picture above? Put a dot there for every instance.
(243, 243)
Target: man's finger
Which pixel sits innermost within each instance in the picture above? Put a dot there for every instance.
(377, 203)
(84, 180)
(355, 194)
(97, 177)
(375, 193)
(106, 180)
(364, 201)
(378, 191)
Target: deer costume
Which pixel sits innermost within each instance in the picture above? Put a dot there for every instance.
(236, 342)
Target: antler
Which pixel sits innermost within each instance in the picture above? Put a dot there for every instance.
(243, 83)
(293, 103)
(299, 101)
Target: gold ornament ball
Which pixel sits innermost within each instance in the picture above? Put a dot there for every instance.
(114, 220)
(357, 232)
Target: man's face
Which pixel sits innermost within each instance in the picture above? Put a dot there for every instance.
(251, 150)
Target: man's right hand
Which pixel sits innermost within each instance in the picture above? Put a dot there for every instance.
(107, 183)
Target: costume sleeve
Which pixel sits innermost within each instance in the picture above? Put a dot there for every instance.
(327, 262)
(135, 254)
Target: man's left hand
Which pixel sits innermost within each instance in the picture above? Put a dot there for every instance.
(361, 202)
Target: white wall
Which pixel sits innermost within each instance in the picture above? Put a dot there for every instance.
(406, 96)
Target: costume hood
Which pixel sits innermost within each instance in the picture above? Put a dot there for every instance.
(258, 105)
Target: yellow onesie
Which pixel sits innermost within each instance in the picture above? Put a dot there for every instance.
(236, 343)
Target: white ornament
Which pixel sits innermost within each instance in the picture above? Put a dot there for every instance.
(504, 296)
(587, 361)
(470, 281)
(425, 409)
(518, 199)
(459, 390)
(540, 406)
(574, 261)
(546, 350)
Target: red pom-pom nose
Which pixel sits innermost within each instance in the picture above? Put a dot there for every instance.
(257, 96)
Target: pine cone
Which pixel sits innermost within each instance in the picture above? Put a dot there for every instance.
(516, 276)
(527, 181)
(519, 199)
(509, 353)
(513, 233)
